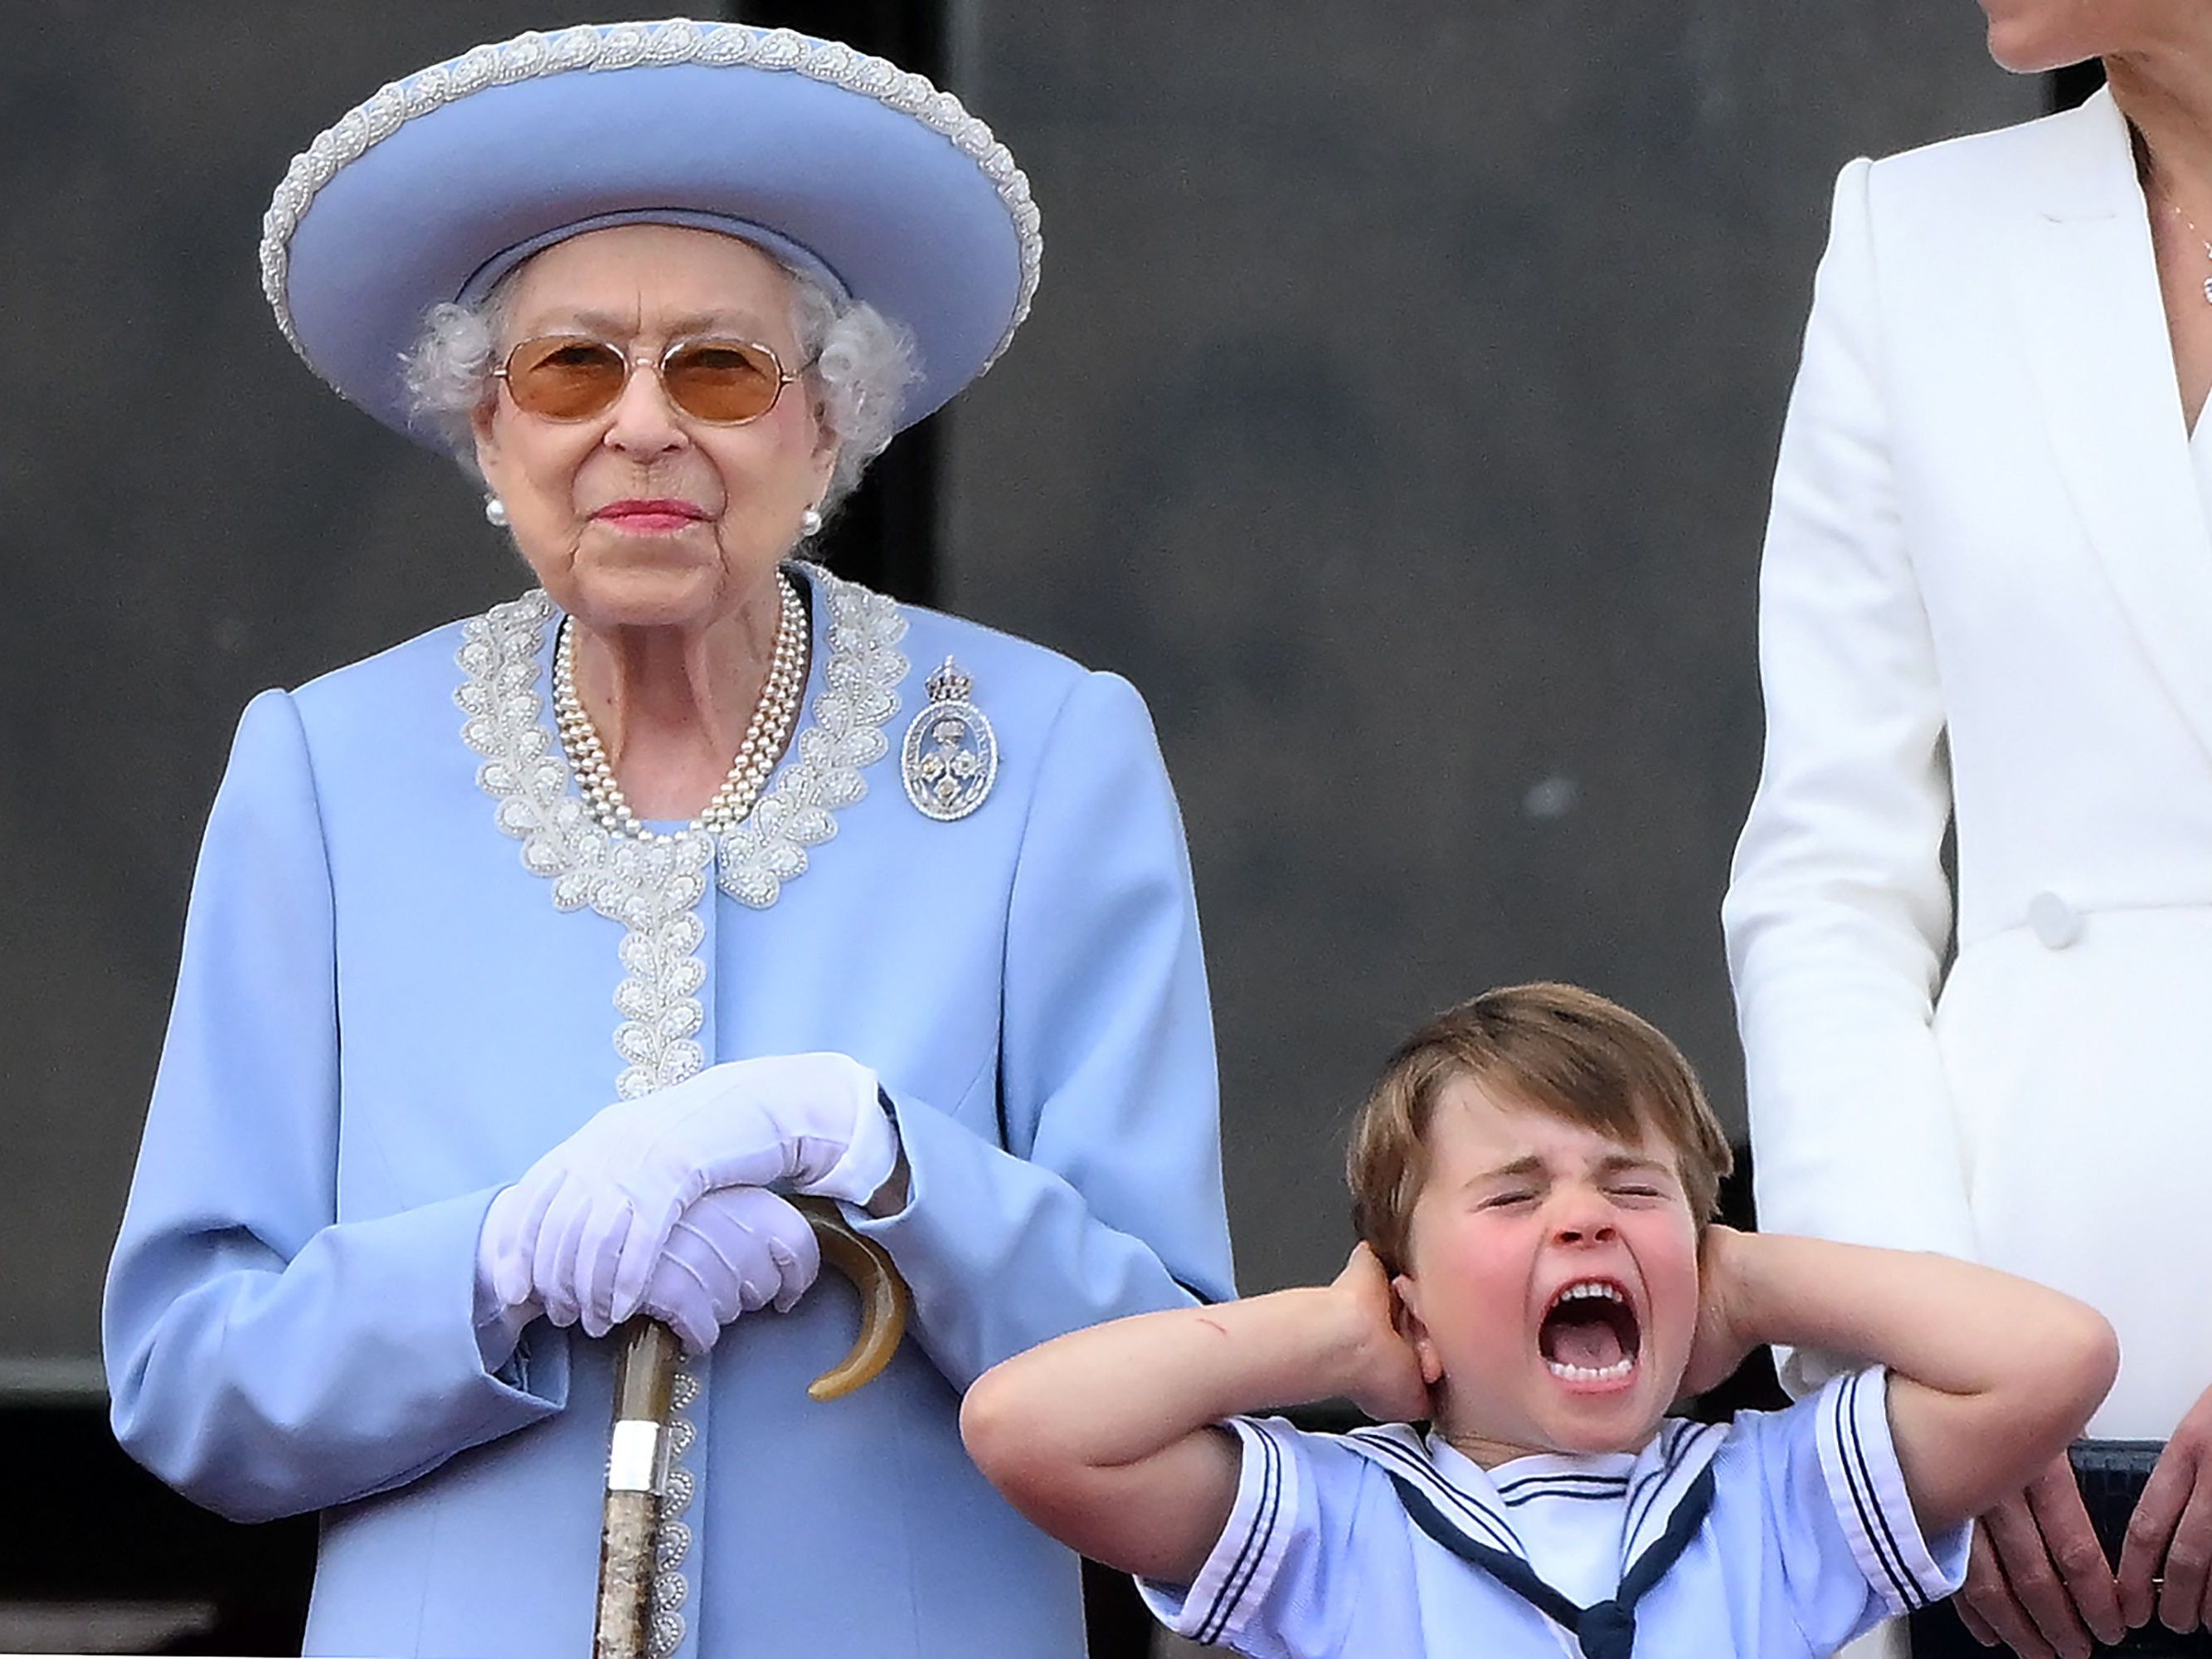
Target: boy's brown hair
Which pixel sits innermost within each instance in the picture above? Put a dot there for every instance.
(1556, 1048)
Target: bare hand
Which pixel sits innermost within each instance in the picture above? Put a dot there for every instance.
(1720, 1343)
(2037, 1578)
(2170, 1534)
(1386, 1381)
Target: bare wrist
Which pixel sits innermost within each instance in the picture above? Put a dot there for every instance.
(1729, 1268)
(1347, 1353)
(890, 1198)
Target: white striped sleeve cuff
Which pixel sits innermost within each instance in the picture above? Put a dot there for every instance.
(1238, 1575)
(1867, 1487)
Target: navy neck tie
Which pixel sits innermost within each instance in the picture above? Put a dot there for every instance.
(1607, 1630)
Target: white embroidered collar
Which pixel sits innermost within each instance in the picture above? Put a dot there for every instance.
(823, 774)
(1463, 1492)
(528, 775)
(653, 887)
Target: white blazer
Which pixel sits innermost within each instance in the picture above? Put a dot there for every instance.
(1987, 601)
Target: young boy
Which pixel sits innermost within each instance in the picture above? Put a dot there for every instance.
(1537, 1280)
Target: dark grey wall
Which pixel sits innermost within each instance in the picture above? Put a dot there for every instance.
(1395, 413)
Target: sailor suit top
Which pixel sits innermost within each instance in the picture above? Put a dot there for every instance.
(1809, 1539)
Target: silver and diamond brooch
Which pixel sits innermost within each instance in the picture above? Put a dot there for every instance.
(951, 756)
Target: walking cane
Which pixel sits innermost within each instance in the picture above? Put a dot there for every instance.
(638, 1453)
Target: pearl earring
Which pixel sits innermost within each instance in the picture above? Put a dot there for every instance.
(810, 522)
(495, 511)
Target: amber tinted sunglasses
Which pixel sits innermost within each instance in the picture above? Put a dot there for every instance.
(573, 377)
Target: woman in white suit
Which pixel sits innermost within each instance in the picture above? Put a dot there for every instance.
(1986, 604)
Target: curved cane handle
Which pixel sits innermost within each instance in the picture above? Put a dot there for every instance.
(883, 1298)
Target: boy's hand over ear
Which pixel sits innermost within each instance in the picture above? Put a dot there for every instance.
(1387, 1381)
(1723, 1336)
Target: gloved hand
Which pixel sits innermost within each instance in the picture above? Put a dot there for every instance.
(736, 1249)
(499, 1324)
(582, 1229)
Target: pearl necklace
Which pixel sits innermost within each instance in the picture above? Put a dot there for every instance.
(766, 734)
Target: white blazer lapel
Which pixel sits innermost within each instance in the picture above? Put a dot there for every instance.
(2085, 281)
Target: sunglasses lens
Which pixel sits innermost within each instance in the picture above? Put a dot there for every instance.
(565, 379)
(722, 380)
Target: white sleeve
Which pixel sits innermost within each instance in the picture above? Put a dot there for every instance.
(1837, 910)
(1281, 1578)
(1839, 1516)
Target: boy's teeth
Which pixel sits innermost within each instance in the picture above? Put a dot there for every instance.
(1590, 1287)
(1618, 1369)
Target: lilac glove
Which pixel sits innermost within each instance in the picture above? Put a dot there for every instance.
(499, 1324)
(736, 1249)
(582, 1230)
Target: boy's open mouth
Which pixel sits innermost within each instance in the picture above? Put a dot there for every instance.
(1589, 1334)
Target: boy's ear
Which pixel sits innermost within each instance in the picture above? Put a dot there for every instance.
(1416, 1332)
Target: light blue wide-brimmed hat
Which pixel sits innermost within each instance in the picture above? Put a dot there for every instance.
(845, 165)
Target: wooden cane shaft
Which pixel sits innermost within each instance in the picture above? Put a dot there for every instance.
(645, 1377)
(626, 1541)
(645, 1383)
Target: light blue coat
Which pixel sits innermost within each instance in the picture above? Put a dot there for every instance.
(382, 1016)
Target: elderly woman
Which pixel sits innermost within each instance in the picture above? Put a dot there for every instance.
(532, 963)
(1987, 604)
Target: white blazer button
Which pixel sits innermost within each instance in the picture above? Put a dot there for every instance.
(2056, 922)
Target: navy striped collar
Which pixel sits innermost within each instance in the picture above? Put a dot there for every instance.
(1647, 1486)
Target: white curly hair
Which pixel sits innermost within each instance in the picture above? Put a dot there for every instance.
(862, 362)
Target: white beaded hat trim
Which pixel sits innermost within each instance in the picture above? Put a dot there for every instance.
(629, 45)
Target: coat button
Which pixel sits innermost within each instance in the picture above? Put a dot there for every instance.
(2056, 922)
